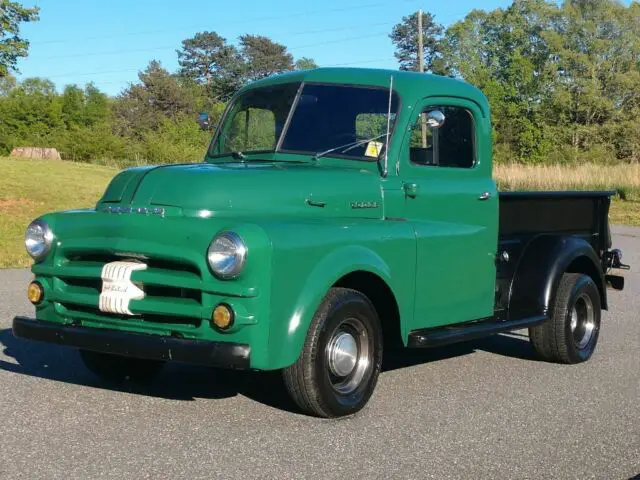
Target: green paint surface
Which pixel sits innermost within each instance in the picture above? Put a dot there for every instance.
(307, 223)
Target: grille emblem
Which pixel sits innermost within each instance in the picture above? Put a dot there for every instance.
(118, 289)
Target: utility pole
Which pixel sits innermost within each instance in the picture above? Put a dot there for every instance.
(420, 44)
(423, 118)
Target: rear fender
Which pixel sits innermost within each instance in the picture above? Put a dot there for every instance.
(545, 259)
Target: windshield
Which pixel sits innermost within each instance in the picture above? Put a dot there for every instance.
(336, 120)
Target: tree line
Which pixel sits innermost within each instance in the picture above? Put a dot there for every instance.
(152, 120)
(562, 79)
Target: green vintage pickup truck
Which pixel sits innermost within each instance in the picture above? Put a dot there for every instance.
(338, 213)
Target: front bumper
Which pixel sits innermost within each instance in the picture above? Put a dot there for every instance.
(152, 347)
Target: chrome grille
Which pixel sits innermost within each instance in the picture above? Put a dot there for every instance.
(173, 288)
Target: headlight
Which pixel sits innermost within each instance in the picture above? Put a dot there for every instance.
(226, 255)
(37, 239)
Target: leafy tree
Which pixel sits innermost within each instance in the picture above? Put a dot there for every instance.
(144, 106)
(405, 38)
(176, 140)
(7, 84)
(84, 107)
(31, 115)
(562, 80)
(73, 105)
(38, 86)
(305, 63)
(96, 106)
(596, 70)
(263, 57)
(12, 46)
(504, 53)
(208, 59)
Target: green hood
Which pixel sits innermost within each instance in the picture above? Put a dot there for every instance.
(251, 188)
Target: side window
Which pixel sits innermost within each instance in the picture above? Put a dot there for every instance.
(450, 145)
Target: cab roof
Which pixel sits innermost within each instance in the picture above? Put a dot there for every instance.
(411, 86)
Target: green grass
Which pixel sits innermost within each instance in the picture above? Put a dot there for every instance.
(625, 212)
(622, 179)
(29, 188)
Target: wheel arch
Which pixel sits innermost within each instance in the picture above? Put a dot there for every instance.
(537, 276)
(384, 302)
(587, 266)
(355, 267)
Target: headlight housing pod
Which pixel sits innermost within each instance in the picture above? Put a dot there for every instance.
(38, 239)
(226, 255)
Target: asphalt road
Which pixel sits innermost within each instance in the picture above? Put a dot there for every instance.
(486, 409)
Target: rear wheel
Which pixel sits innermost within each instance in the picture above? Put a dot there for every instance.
(571, 334)
(338, 368)
(115, 368)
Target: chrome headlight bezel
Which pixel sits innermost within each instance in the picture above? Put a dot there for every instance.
(38, 239)
(227, 255)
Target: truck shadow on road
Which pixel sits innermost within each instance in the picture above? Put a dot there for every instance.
(185, 382)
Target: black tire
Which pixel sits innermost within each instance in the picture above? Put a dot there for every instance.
(116, 369)
(571, 334)
(312, 380)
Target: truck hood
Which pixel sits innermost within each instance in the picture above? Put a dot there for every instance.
(250, 188)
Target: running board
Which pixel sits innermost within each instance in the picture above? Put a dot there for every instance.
(436, 337)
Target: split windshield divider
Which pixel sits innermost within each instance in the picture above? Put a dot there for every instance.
(292, 109)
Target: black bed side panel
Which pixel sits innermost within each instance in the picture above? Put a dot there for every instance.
(578, 213)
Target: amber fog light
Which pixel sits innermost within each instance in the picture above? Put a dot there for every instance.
(35, 293)
(222, 316)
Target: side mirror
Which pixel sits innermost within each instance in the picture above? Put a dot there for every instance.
(203, 121)
(435, 119)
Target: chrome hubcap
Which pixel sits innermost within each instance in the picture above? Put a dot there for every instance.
(582, 321)
(348, 356)
(343, 353)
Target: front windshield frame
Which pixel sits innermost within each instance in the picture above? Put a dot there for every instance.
(229, 107)
(292, 109)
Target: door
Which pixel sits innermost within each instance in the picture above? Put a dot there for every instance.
(451, 199)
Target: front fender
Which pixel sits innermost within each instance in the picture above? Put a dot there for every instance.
(288, 334)
(540, 268)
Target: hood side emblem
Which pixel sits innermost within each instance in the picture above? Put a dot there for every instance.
(138, 210)
(358, 205)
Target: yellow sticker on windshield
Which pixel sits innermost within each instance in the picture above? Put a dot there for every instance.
(373, 149)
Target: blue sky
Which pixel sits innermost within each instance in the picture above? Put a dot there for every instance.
(109, 41)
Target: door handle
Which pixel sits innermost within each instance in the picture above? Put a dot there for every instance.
(484, 196)
(411, 189)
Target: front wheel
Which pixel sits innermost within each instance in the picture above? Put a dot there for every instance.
(115, 368)
(571, 333)
(338, 368)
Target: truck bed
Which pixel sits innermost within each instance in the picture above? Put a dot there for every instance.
(525, 216)
(580, 213)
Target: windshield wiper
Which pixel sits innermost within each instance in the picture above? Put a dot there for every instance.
(349, 146)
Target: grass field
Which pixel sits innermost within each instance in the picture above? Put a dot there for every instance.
(29, 188)
(623, 179)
